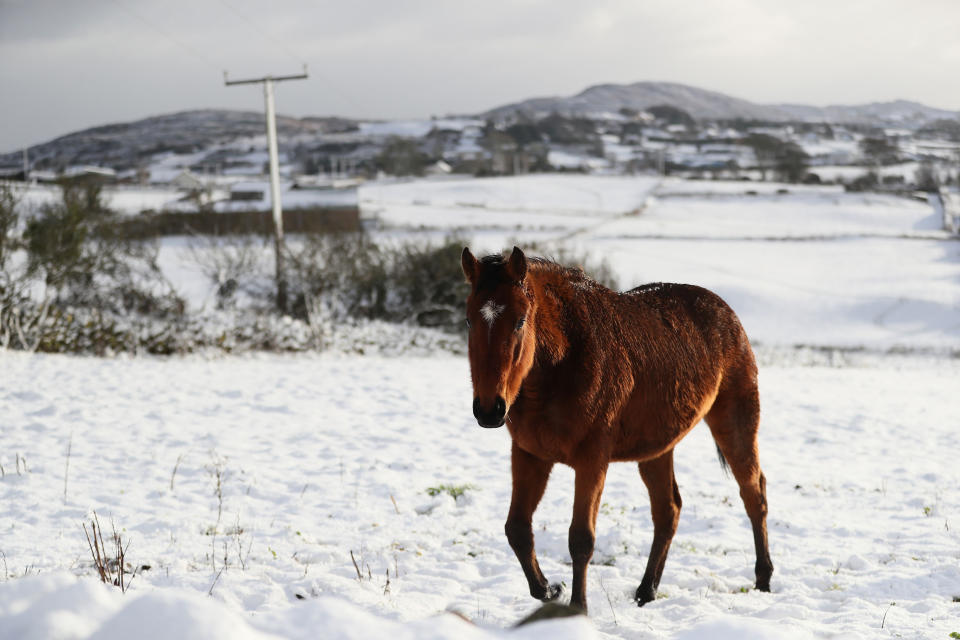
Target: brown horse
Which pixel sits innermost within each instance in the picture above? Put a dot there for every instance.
(586, 376)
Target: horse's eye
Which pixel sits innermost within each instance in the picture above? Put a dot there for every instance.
(520, 323)
(467, 320)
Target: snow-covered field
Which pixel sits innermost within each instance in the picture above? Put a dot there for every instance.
(535, 202)
(128, 200)
(321, 455)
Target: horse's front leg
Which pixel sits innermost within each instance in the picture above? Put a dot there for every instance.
(586, 502)
(530, 476)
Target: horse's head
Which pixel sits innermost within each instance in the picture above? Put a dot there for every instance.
(500, 320)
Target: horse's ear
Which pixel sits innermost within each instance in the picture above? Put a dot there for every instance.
(469, 265)
(517, 265)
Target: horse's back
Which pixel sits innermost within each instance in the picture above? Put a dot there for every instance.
(688, 313)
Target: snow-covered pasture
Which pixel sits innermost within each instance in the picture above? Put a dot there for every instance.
(800, 265)
(319, 455)
(125, 199)
(548, 202)
(132, 200)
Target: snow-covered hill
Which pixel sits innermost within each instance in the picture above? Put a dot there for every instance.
(128, 145)
(712, 105)
(610, 98)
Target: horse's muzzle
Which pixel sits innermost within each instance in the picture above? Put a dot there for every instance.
(490, 417)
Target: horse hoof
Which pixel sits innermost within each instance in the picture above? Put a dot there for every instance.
(644, 595)
(553, 592)
(763, 586)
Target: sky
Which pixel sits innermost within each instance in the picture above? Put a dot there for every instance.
(70, 64)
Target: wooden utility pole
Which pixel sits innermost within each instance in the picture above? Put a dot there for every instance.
(267, 82)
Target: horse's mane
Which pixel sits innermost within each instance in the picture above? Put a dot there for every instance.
(495, 273)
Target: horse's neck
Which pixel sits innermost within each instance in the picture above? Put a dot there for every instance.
(552, 339)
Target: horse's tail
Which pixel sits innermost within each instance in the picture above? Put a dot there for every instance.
(723, 462)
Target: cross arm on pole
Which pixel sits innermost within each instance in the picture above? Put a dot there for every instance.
(300, 76)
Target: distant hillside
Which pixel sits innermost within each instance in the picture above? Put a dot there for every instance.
(896, 113)
(131, 145)
(124, 145)
(608, 98)
(712, 105)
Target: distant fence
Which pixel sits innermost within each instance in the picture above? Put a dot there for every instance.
(307, 220)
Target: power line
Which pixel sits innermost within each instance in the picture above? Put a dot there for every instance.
(196, 53)
(253, 25)
(292, 54)
(169, 36)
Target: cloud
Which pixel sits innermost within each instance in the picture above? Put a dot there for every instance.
(67, 64)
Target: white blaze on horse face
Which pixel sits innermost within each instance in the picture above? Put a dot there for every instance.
(491, 311)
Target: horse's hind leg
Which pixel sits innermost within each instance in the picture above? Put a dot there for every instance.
(665, 506)
(530, 476)
(734, 420)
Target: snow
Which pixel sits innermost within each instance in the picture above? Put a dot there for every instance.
(321, 455)
(830, 150)
(132, 200)
(782, 217)
(566, 160)
(290, 197)
(859, 462)
(524, 203)
(87, 609)
(846, 173)
(787, 262)
(858, 293)
(127, 200)
(165, 167)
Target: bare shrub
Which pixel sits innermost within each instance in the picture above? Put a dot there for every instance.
(78, 248)
(20, 316)
(233, 263)
(430, 283)
(9, 224)
(340, 276)
(72, 281)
